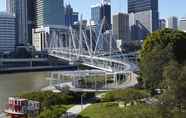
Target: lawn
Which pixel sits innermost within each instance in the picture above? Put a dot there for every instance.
(111, 110)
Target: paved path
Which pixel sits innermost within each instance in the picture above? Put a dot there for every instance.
(77, 109)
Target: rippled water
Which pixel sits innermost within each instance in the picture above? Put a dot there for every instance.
(12, 84)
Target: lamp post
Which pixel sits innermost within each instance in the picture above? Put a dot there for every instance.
(81, 102)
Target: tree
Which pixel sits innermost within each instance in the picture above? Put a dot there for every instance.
(158, 50)
(175, 84)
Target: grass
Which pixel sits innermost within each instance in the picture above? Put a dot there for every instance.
(54, 111)
(127, 95)
(111, 110)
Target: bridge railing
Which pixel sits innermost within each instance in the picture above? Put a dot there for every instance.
(107, 63)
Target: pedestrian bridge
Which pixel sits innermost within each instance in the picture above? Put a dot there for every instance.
(84, 46)
(89, 47)
(110, 64)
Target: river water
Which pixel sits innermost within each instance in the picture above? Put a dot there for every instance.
(13, 84)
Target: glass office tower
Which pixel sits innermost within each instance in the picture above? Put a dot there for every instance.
(48, 12)
(23, 10)
(105, 11)
(145, 16)
(95, 13)
(70, 15)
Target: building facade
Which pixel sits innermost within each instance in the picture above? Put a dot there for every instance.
(145, 18)
(162, 23)
(48, 12)
(7, 32)
(95, 13)
(23, 10)
(70, 15)
(172, 22)
(30, 18)
(121, 27)
(45, 37)
(10, 6)
(142, 5)
(182, 24)
(105, 12)
(21, 22)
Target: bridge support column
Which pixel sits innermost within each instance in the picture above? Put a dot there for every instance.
(106, 86)
(115, 80)
(61, 78)
(95, 85)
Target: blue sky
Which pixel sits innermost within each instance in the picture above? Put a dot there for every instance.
(166, 7)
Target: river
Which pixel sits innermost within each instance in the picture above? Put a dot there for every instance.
(12, 84)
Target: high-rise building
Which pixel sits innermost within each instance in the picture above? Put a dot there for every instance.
(23, 10)
(182, 24)
(70, 15)
(162, 23)
(48, 12)
(7, 32)
(142, 5)
(21, 22)
(145, 16)
(105, 12)
(121, 27)
(95, 13)
(10, 6)
(30, 18)
(172, 22)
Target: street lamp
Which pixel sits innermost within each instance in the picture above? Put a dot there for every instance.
(81, 102)
(82, 95)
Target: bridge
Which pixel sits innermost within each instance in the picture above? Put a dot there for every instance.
(86, 47)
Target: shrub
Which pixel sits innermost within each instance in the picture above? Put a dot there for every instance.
(48, 99)
(53, 112)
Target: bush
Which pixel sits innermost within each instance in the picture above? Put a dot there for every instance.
(48, 99)
(159, 49)
(127, 95)
(53, 112)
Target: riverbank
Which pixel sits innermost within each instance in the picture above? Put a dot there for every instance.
(36, 69)
(13, 83)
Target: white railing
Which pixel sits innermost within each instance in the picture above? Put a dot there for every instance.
(103, 63)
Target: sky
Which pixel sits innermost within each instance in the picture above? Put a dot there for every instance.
(166, 7)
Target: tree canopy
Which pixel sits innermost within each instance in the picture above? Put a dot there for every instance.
(158, 50)
(162, 64)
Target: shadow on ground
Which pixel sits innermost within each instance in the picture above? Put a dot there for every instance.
(80, 116)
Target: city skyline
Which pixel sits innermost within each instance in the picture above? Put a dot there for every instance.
(121, 6)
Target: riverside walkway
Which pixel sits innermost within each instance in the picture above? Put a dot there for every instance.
(77, 109)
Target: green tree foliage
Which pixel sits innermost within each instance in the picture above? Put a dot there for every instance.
(158, 50)
(175, 84)
(162, 64)
(131, 46)
(48, 99)
(53, 112)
